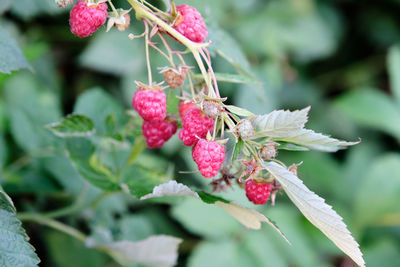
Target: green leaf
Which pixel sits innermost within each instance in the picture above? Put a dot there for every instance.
(229, 78)
(238, 149)
(80, 152)
(28, 9)
(371, 108)
(291, 147)
(98, 105)
(158, 250)
(224, 45)
(73, 125)
(394, 72)
(30, 107)
(11, 57)
(317, 211)
(3, 151)
(210, 199)
(383, 177)
(102, 55)
(15, 249)
(239, 111)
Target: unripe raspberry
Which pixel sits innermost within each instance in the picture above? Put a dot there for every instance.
(245, 128)
(209, 156)
(85, 19)
(211, 108)
(269, 151)
(150, 102)
(190, 24)
(195, 125)
(158, 132)
(185, 106)
(174, 77)
(63, 3)
(257, 192)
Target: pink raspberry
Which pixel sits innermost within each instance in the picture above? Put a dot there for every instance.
(195, 125)
(158, 132)
(256, 192)
(191, 25)
(209, 156)
(185, 106)
(150, 104)
(85, 20)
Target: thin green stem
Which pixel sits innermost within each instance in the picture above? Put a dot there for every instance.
(168, 48)
(113, 8)
(53, 224)
(146, 26)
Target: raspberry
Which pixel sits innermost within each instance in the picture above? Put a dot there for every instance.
(158, 132)
(150, 102)
(86, 19)
(191, 25)
(174, 77)
(256, 192)
(209, 156)
(185, 106)
(195, 125)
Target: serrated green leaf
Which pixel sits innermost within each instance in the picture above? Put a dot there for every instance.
(73, 125)
(11, 57)
(96, 104)
(317, 211)
(15, 249)
(371, 108)
(80, 152)
(394, 72)
(239, 111)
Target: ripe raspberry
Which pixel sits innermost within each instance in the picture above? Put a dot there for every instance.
(158, 132)
(86, 19)
(191, 25)
(209, 156)
(150, 102)
(195, 125)
(185, 106)
(258, 193)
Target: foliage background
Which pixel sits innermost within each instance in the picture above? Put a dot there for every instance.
(340, 57)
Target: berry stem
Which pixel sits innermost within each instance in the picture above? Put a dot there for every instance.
(168, 48)
(146, 36)
(113, 8)
(206, 56)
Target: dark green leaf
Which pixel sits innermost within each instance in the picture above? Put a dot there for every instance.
(73, 125)
(15, 249)
(11, 57)
(210, 199)
(238, 149)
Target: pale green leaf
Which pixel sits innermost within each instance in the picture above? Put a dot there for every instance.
(157, 251)
(73, 125)
(316, 141)
(280, 123)
(239, 111)
(229, 78)
(371, 108)
(317, 211)
(171, 188)
(11, 57)
(15, 249)
(394, 72)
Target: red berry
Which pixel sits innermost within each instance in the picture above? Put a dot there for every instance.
(150, 104)
(185, 106)
(195, 125)
(256, 192)
(85, 20)
(191, 25)
(209, 156)
(158, 132)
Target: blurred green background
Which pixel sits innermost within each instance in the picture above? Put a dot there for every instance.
(339, 56)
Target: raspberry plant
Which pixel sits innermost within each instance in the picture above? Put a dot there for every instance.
(229, 144)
